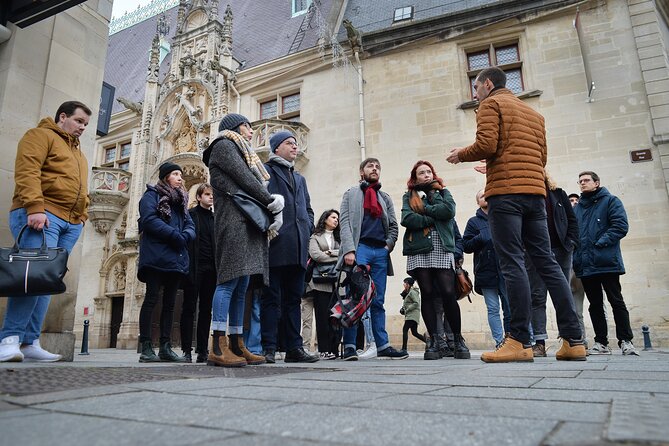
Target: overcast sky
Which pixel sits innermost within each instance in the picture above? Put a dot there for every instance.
(122, 6)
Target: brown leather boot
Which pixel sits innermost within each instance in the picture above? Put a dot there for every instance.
(221, 355)
(238, 348)
(571, 351)
(510, 351)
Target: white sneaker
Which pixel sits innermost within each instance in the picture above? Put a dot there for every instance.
(9, 350)
(33, 352)
(628, 348)
(369, 353)
(600, 349)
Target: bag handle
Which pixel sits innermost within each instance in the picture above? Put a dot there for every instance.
(42, 250)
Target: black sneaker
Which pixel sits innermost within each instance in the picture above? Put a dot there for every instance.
(299, 355)
(391, 353)
(270, 356)
(188, 357)
(350, 354)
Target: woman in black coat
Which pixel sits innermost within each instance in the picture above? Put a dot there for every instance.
(166, 228)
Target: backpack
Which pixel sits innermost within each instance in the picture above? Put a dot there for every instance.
(360, 290)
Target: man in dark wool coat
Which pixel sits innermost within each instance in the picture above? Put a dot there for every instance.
(288, 253)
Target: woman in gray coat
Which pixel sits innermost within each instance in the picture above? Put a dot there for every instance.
(241, 248)
(324, 250)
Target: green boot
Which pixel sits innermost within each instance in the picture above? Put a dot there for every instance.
(167, 355)
(148, 355)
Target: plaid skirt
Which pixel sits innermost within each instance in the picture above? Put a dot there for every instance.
(437, 258)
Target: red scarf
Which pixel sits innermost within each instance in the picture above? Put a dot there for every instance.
(371, 204)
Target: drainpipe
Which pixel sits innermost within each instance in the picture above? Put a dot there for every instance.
(361, 106)
(239, 97)
(5, 34)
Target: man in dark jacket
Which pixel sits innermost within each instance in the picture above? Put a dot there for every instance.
(598, 261)
(511, 137)
(563, 234)
(201, 281)
(287, 253)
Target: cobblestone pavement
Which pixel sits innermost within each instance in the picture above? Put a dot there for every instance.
(109, 398)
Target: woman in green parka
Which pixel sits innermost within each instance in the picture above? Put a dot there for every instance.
(411, 311)
(428, 212)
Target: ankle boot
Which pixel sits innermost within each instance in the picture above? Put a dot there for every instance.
(461, 351)
(444, 349)
(239, 349)
(221, 355)
(148, 355)
(166, 354)
(431, 348)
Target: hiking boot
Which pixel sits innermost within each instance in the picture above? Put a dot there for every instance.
(539, 350)
(221, 355)
(391, 353)
(350, 354)
(10, 350)
(238, 348)
(510, 351)
(299, 355)
(431, 349)
(600, 349)
(188, 357)
(370, 352)
(628, 348)
(461, 351)
(166, 354)
(571, 350)
(445, 349)
(270, 356)
(148, 355)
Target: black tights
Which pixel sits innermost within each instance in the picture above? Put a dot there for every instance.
(413, 326)
(434, 284)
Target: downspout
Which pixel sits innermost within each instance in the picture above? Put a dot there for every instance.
(239, 97)
(361, 106)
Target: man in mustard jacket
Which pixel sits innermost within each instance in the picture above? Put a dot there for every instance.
(50, 196)
(511, 137)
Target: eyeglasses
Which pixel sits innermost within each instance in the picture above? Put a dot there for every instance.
(291, 143)
(584, 180)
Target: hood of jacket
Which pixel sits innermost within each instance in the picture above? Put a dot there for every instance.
(588, 200)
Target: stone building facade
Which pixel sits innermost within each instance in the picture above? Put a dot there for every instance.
(395, 85)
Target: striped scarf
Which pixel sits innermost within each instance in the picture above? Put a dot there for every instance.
(248, 153)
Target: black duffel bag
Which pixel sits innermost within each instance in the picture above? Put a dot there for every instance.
(32, 271)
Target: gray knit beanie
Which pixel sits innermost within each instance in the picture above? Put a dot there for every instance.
(231, 121)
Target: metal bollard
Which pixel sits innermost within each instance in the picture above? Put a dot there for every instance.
(84, 339)
(646, 338)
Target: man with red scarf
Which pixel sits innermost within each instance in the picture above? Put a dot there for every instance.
(368, 234)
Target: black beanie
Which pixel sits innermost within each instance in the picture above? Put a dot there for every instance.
(409, 280)
(231, 121)
(167, 168)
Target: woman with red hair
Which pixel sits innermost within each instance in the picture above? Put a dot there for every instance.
(428, 210)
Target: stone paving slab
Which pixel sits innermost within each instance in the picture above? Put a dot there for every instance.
(626, 412)
(587, 396)
(324, 384)
(625, 375)
(602, 384)
(575, 434)
(514, 408)
(361, 426)
(180, 409)
(82, 430)
(20, 412)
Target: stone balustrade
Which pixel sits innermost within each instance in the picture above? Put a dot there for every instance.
(263, 129)
(109, 192)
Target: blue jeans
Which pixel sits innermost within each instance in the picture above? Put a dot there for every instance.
(367, 324)
(518, 224)
(493, 297)
(24, 315)
(229, 301)
(252, 336)
(539, 291)
(377, 259)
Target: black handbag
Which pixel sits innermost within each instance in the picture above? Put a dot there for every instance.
(254, 211)
(325, 272)
(32, 271)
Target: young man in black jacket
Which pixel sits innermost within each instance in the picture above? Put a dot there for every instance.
(201, 282)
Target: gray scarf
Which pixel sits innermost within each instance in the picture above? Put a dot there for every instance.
(282, 161)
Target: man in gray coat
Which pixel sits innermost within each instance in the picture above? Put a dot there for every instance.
(368, 230)
(288, 253)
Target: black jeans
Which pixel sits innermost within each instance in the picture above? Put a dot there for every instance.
(413, 326)
(518, 225)
(281, 300)
(156, 280)
(202, 291)
(593, 290)
(325, 335)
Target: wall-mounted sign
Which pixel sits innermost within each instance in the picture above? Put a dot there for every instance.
(638, 156)
(106, 103)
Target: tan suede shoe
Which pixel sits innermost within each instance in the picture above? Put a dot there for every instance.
(571, 351)
(222, 356)
(510, 351)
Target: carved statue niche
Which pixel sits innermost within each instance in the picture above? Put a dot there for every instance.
(116, 281)
(185, 140)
